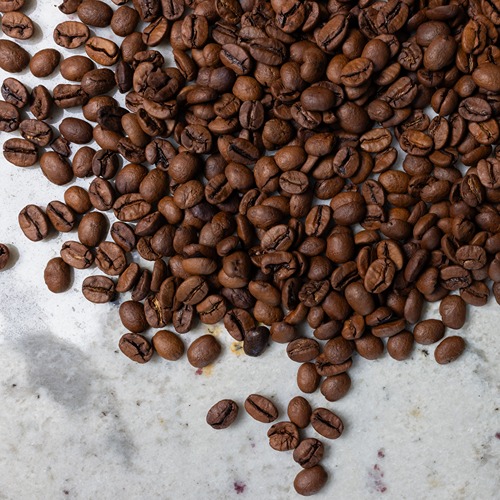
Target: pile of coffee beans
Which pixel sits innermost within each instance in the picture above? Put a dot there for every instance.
(260, 176)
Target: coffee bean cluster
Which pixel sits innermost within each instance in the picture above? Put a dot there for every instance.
(259, 174)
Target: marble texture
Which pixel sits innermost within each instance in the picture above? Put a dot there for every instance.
(78, 420)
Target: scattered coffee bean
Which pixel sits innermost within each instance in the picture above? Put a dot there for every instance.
(4, 255)
(57, 275)
(449, 350)
(261, 408)
(222, 414)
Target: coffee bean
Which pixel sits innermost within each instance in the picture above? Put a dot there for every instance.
(13, 58)
(98, 289)
(283, 436)
(428, 331)
(41, 103)
(222, 414)
(61, 216)
(102, 50)
(34, 223)
(44, 62)
(57, 275)
(326, 423)
(11, 5)
(299, 412)
(4, 255)
(136, 347)
(15, 93)
(77, 255)
(260, 408)
(309, 481)
(168, 345)
(20, 152)
(449, 350)
(203, 351)
(95, 13)
(71, 34)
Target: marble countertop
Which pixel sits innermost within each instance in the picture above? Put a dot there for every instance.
(78, 420)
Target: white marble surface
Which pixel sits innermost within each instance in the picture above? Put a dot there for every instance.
(78, 420)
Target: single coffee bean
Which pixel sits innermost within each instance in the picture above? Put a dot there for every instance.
(44, 62)
(260, 408)
(310, 481)
(36, 131)
(132, 314)
(309, 453)
(98, 289)
(11, 5)
(13, 58)
(449, 349)
(4, 255)
(75, 67)
(428, 331)
(203, 351)
(20, 152)
(255, 341)
(336, 387)
(71, 34)
(308, 378)
(34, 223)
(95, 13)
(41, 103)
(283, 436)
(57, 275)
(168, 345)
(326, 423)
(61, 216)
(77, 255)
(222, 414)
(15, 93)
(136, 347)
(299, 412)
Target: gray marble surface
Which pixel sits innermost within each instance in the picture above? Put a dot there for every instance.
(78, 420)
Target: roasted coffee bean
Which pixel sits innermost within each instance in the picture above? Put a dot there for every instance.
(11, 5)
(34, 223)
(222, 414)
(98, 289)
(203, 351)
(102, 50)
(132, 316)
(261, 408)
(92, 229)
(61, 216)
(41, 103)
(56, 168)
(110, 258)
(168, 345)
(77, 255)
(36, 131)
(9, 117)
(283, 436)
(95, 13)
(299, 412)
(428, 331)
(136, 347)
(57, 275)
(4, 255)
(310, 481)
(20, 152)
(308, 453)
(44, 62)
(327, 423)
(255, 341)
(15, 93)
(13, 58)
(449, 349)
(71, 34)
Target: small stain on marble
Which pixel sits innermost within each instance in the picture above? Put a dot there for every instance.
(239, 487)
(237, 348)
(497, 435)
